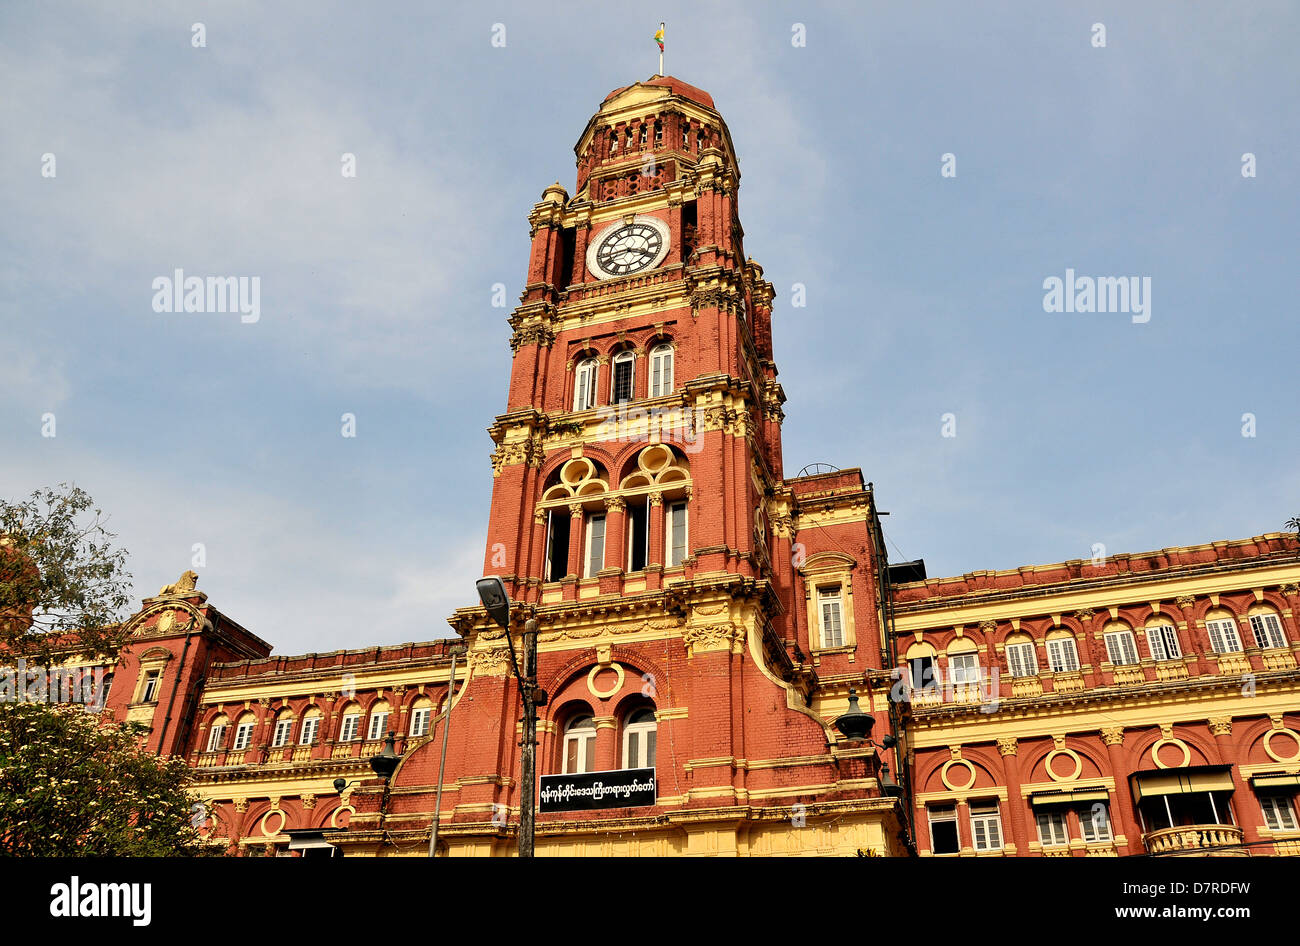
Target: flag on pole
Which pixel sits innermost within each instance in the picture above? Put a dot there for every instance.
(659, 37)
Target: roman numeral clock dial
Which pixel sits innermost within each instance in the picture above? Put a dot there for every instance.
(626, 248)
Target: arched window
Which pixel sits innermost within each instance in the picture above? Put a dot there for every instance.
(584, 385)
(1062, 652)
(1162, 639)
(1267, 627)
(378, 721)
(421, 711)
(1022, 656)
(244, 731)
(283, 728)
(217, 734)
(620, 391)
(639, 737)
(310, 726)
(580, 745)
(350, 723)
(1120, 647)
(661, 370)
(1222, 628)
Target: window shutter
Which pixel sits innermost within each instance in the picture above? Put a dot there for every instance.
(1156, 641)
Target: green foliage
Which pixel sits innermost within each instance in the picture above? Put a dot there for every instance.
(72, 784)
(1294, 524)
(63, 587)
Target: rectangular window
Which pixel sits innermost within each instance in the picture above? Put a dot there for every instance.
(986, 827)
(216, 738)
(243, 735)
(1163, 641)
(149, 693)
(943, 829)
(310, 726)
(922, 673)
(676, 516)
(420, 721)
(351, 724)
(1223, 636)
(1279, 812)
(963, 669)
(832, 628)
(378, 726)
(1267, 630)
(584, 389)
(1120, 648)
(1052, 829)
(557, 544)
(1022, 661)
(1062, 655)
(1094, 823)
(595, 556)
(622, 381)
(282, 729)
(580, 752)
(638, 538)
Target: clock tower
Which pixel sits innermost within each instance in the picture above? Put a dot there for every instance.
(699, 612)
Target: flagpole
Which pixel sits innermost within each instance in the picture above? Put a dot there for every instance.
(661, 52)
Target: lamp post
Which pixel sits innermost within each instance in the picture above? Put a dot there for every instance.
(492, 592)
(456, 651)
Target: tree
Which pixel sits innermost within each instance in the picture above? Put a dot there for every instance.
(1294, 524)
(73, 784)
(63, 587)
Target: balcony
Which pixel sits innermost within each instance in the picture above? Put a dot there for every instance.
(1207, 840)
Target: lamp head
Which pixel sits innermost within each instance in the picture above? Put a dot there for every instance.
(492, 592)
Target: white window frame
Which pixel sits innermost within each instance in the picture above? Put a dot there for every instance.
(948, 814)
(1022, 659)
(1063, 655)
(152, 684)
(1225, 636)
(1121, 644)
(310, 728)
(1279, 812)
(378, 727)
(1267, 628)
(661, 370)
(986, 826)
(584, 384)
(590, 565)
(420, 720)
(669, 509)
(1162, 639)
(585, 738)
(243, 736)
(964, 668)
(644, 753)
(350, 727)
(217, 736)
(1095, 831)
(283, 729)
(1057, 824)
(622, 358)
(830, 610)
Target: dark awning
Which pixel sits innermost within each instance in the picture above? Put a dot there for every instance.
(1194, 778)
(1066, 796)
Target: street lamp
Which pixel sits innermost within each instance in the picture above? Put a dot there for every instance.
(492, 592)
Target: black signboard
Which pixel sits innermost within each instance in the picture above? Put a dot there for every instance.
(587, 791)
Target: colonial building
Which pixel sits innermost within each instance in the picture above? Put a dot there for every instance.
(703, 618)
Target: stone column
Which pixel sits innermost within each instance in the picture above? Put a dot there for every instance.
(655, 517)
(575, 539)
(1124, 816)
(1249, 816)
(616, 533)
(1011, 769)
(606, 743)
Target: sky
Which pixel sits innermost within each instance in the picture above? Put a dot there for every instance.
(996, 433)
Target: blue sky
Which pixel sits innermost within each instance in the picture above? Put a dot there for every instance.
(924, 293)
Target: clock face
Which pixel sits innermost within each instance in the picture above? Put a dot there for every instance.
(628, 248)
